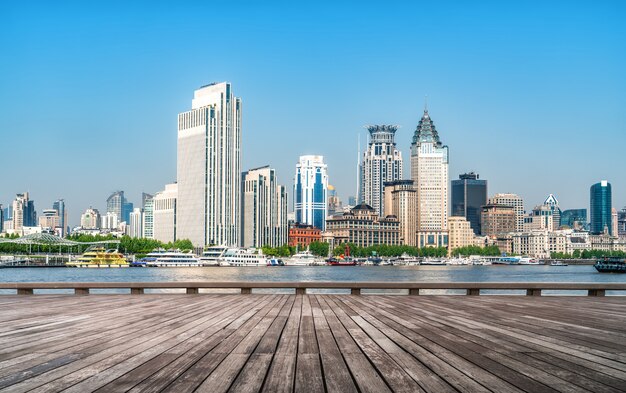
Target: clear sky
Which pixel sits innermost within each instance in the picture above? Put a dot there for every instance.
(531, 95)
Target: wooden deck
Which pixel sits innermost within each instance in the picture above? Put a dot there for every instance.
(312, 343)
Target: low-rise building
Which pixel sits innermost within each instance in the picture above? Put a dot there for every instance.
(301, 235)
(497, 219)
(164, 214)
(460, 233)
(365, 228)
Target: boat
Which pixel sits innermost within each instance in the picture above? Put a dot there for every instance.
(558, 263)
(341, 261)
(211, 255)
(506, 261)
(243, 257)
(275, 262)
(432, 262)
(304, 258)
(611, 265)
(99, 257)
(170, 258)
(528, 261)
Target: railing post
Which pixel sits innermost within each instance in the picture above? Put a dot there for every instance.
(533, 292)
(300, 291)
(246, 291)
(355, 291)
(473, 291)
(81, 291)
(136, 291)
(414, 292)
(25, 291)
(192, 291)
(595, 292)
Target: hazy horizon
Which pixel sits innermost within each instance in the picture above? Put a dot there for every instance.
(530, 96)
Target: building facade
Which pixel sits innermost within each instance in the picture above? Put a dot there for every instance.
(115, 204)
(574, 218)
(429, 172)
(401, 202)
(600, 208)
(50, 222)
(165, 214)
(90, 219)
(310, 191)
(516, 202)
(382, 162)
(23, 213)
(209, 168)
(147, 225)
(460, 233)
(264, 210)
(134, 223)
(469, 195)
(621, 222)
(553, 204)
(363, 227)
(301, 235)
(498, 219)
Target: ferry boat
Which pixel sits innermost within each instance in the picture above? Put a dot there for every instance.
(528, 261)
(611, 265)
(304, 258)
(170, 258)
(243, 257)
(99, 257)
(432, 262)
(558, 263)
(341, 261)
(505, 261)
(275, 262)
(211, 255)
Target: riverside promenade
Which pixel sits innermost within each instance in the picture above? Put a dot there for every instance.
(312, 343)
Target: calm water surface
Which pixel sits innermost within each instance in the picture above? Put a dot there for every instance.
(541, 273)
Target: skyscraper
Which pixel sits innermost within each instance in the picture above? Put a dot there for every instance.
(553, 204)
(401, 202)
(264, 210)
(382, 162)
(165, 214)
(90, 219)
(127, 209)
(469, 194)
(23, 214)
(600, 207)
(208, 168)
(516, 202)
(147, 225)
(115, 204)
(59, 206)
(134, 223)
(310, 190)
(621, 222)
(574, 218)
(429, 171)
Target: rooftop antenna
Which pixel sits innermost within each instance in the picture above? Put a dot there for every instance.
(358, 165)
(426, 103)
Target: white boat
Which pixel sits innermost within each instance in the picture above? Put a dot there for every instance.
(243, 257)
(211, 255)
(171, 258)
(528, 261)
(406, 259)
(304, 258)
(433, 262)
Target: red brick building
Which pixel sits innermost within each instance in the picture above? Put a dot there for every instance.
(302, 235)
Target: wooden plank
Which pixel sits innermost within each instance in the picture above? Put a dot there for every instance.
(308, 363)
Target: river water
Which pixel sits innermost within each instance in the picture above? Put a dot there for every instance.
(494, 273)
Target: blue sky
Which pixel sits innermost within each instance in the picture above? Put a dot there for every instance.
(531, 95)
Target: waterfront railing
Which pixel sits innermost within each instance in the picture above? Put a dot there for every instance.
(355, 288)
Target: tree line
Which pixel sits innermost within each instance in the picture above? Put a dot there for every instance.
(587, 254)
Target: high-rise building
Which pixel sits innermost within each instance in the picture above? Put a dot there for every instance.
(429, 171)
(553, 204)
(90, 219)
(310, 190)
(363, 227)
(109, 221)
(59, 206)
(469, 195)
(516, 202)
(382, 162)
(574, 218)
(541, 217)
(134, 223)
(165, 214)
(49, 221)
(209, 168)
(614, 222)
(497, 219)
(127, 208)
(621, 222)
(115, 204)
(23, 214)
(264, 210)
(147, 225)
(334, 203)
(352, 201)
(600, 208)
(1, 219)
(401, 201)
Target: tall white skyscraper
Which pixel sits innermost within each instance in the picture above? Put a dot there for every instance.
(264, 210)
(429, 172)
(310, 191)
(134, 226)
(208, 168)
(382, 162)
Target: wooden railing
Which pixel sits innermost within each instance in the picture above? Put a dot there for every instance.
(414, 288)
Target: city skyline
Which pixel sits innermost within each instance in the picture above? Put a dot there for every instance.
(528, 120)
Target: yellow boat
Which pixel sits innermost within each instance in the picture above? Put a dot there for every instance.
(99, 257)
